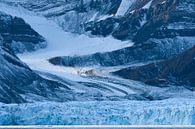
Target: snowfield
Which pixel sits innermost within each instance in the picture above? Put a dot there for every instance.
(167, 112)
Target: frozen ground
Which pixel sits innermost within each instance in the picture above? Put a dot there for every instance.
(166, 112)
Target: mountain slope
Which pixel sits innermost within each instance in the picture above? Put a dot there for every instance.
(179, 70)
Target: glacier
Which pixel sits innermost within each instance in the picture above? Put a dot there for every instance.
(166, 112)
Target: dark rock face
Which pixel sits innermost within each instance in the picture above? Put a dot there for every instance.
(179, 70)
(18, 35)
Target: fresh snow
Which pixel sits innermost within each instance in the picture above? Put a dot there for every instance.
(166, 112)
(124, 7)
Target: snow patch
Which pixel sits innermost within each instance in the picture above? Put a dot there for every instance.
(124, 7)
(147, 6)
(167, 112)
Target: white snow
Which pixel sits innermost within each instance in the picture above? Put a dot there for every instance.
(124, 7)
(163, 2)
(147, 6)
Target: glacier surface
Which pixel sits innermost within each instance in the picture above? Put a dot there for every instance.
(172, 111)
